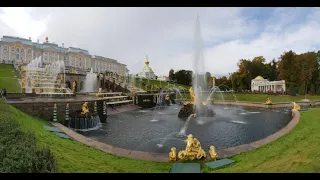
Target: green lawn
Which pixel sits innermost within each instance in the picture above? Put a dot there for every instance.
(263, 97)
(160, 84)
(73, 156)
(8, 78)
(297, 151)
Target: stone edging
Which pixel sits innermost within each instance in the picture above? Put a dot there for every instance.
(139, 155)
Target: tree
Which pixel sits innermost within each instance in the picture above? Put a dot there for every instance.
(171, 75)
(183, 77)
(302, 89)
(208, 79)
(318, 91)
(291, 90)
(312, 90)
(286, 67)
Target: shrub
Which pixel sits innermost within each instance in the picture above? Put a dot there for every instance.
(18, 148)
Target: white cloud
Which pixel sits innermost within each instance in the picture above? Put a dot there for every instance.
(165, 34)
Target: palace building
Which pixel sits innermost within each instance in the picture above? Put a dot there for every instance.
(263, 85)
(76, 60)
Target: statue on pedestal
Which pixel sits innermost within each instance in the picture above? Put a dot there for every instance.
(193, 150)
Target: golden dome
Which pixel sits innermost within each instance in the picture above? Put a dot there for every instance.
(147, 61)
(47, 39)
(259, 78)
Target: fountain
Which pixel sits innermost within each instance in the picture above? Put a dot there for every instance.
(90, 83)
(84, 120)
(162, 129)
(48, 81)
(197, 106)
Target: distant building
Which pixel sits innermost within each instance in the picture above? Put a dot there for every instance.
(76, 60)
(261, 84)
(163, 78)
(147, 72)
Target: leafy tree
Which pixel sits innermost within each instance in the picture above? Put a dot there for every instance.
(318, 91)
(171, 75)
(291, 90)
(312, 90)
(302, 89)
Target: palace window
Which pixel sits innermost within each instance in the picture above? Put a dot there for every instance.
(17, 50)
(5, 48)
(17, 56)
(22, 50)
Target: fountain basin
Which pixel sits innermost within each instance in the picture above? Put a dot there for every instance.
(158, 130)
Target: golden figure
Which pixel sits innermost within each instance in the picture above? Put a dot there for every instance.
(99, 94)
(74, 86)
(34, 84)
(268, 101)
(23, 83)
(67, 105)
(61, 77)
(213, 153)
(167, 97)
(85, 109)
(193, 149)
(173, 154)
(55, 106)
(296, 107)
(192, 95)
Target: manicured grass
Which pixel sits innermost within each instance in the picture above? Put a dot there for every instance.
(8, 78)
(263, 97)
(160, 84)
(297, 151)
(73, 156)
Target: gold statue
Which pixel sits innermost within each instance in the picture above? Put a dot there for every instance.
(167, 97)
(23, 83)
(99, 94)
(296, 107)
(268, 102)
(34, 84)
(213, 153)
(193, 150)
(173, 154)
(67, 105)
(74, 86)
(85, 109)
(55, 106)
(61, 77)
(192, 95)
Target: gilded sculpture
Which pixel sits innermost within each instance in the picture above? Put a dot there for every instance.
(173, 154)
(268, 101)
(192, 95)
(296, 107)
(193, 150)
(85, 109)
(34, 84)
(61, 77)
(212, 152)
(74, 87)
(23, 83)
(99, 94)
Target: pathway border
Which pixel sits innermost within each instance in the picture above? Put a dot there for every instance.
(139, 155)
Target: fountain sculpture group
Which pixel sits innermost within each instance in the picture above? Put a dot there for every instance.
(193, 151)
(190, 108)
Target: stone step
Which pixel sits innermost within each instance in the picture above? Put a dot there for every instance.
(119, 102)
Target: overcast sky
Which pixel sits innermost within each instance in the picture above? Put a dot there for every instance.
(166, 34)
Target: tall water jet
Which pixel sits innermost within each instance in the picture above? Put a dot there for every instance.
(90, 83)
(198, 63)
(196, 106)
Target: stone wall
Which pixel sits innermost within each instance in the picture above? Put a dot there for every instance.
(44, 110)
